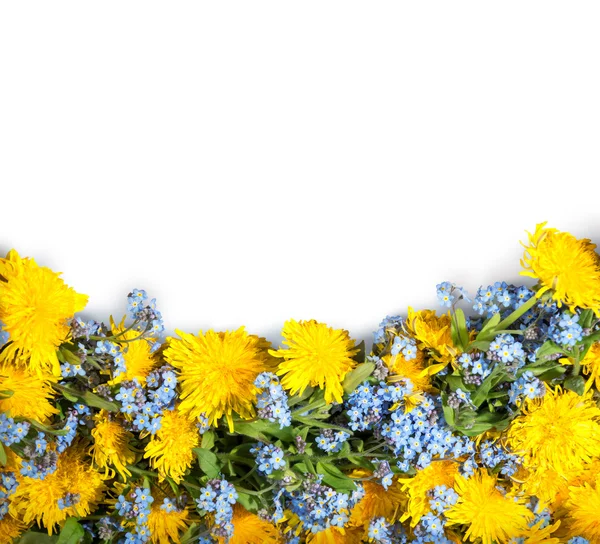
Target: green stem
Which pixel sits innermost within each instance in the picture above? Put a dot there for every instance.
(142, 472)
(257, 493)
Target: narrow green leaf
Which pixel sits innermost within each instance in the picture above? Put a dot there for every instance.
(487, 331)
(87, 397)
(188, 536)
(448, 411)
(3, 458)
(6, 394)
(463, 333)
(357, 376)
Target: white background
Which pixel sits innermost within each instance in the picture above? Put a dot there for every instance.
(248, 162)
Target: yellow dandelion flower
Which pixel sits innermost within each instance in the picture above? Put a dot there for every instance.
(433, 334)
(569, 267)
(139, 359)
(556, 436)
(583, 508)
(111, 445)
(248, 528)
(377, 502)
(217, 372)
(35, 306)
(10, 528)
(418, 487)
(166, 527)
(170, 448)
(577, 479)
(413, 369)
(540, 534)
(490, 515)
(317, 355)
(336, 535)
(37, 500)
(31, 393)
(590, 366)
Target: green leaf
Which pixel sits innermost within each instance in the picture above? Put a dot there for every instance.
(486, 421)
(487, 331)
(301, 467)
(481, 393)
(576, 384)
(357, 376)
(456, 382)
(463, 332)
(591, 339)
(360, 356)
(586, 318)
(3, 458)
(209, 463)
(296, 399)
(546, 350)
(481, 345)
(335, 478)
(208, 440)
(6, 394)
(71, 533)
(188, 536)
(69, 356)
(31, 537)
(261, 428)
(249, 502)
(448, 411)
(87, 397)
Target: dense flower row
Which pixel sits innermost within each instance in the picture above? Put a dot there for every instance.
(480, 427)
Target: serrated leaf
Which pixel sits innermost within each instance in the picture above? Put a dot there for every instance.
(209, 462)
(71, 533)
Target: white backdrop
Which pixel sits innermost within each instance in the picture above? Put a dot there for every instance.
(248, 162)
